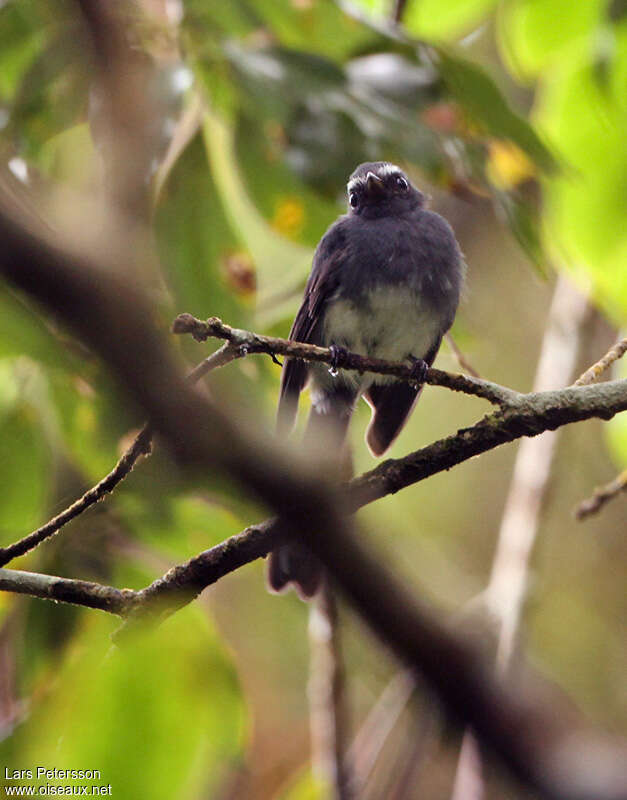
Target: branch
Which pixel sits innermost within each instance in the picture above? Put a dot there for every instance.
(596, 370)
(66, 590)
(249, 342)
(601, 496)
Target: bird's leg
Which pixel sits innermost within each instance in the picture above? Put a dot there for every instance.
(338, 358)
(419, 369)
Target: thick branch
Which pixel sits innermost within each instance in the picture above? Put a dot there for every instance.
(249, 342)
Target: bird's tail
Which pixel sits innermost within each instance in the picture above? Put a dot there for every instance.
(328, 422)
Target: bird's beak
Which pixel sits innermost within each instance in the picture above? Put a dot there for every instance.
(374, 185)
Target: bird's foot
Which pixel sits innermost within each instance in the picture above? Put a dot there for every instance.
(419, 369)
(339, 356)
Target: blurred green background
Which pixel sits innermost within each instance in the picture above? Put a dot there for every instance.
(511, 115)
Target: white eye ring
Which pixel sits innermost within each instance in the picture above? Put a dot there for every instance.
(353, 199)
(402, 184)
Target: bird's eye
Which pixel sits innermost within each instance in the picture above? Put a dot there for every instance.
(402, 184)
(353, 199)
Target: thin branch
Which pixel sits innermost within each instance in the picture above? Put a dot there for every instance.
(601, 496)
(596, 370)
(461, 358)
(250, 342)
(376, 728)
(327, 707)
(140, 446)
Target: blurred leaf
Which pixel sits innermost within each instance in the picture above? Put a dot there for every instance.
(281, 263)
(51, 96)
(476, 92)
(159, 717)
(533, 34)
(196, 239)
(21, 38)
(22, 331)
(323, 27)
(433, 19)
(24, 455)
(586, 207)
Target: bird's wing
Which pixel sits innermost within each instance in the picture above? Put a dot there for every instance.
(322, 284)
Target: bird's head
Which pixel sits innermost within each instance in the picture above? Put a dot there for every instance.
(380, 189)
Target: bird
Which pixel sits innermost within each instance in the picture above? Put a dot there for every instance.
(385, 282)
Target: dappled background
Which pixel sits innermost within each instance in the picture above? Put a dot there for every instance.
(511, 116)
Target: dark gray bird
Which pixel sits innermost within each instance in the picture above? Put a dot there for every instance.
(385, 283)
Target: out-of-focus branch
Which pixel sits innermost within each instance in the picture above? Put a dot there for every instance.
(114, 319)
(506, 591)
(250, 342)
(601, 496)
(377, 726)
(326, 695)
(596, 370)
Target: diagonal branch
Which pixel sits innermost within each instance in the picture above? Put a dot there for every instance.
(596, 370)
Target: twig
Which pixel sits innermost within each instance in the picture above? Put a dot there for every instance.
(596, 370)
(460, 357)
(376, 728)
(326, 695)
(250, 342)
(601, 496)
(140, 446)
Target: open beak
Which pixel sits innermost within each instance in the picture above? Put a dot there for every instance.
(374, 186)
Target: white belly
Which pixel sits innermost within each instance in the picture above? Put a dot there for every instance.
(394, 326)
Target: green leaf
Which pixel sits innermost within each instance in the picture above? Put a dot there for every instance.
(25, 459)
(196, 239)
(586, 205)
(159, 717)
(535, 34)
(280, 263)
(435, 20)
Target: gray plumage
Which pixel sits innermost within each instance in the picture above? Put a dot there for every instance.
(385, 282)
